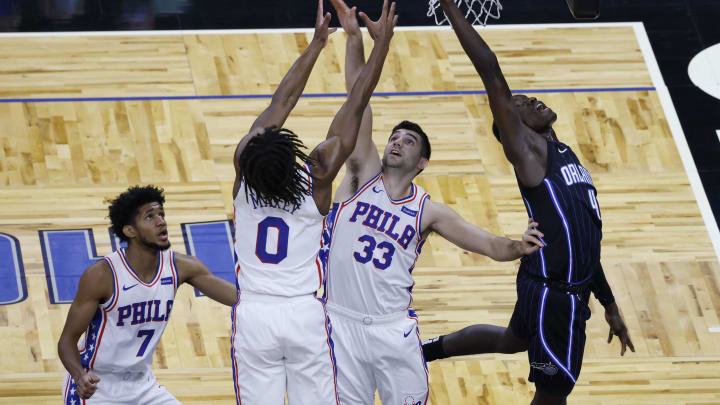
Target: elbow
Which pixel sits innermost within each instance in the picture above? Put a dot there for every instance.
(508, 250)
(230, 296)
(492, 61)
(346, 148)
(285, 102)
(490, 65)
(503, 258)
(62, 345)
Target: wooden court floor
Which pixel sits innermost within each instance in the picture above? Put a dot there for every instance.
(60, 161)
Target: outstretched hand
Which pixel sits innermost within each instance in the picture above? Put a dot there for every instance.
(383, 28)
(531, 239)
(618, 328)
(347, 17)
(322, 24)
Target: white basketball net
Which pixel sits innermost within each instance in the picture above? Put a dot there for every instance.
(477, 11)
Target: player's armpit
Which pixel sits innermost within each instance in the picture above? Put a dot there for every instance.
(94, 288)
(194, 272)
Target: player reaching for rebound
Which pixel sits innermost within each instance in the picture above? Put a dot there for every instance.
(376, 229)
(123, 304)
(281, 337)
(553, 284)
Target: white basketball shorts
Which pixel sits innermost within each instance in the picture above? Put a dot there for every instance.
(379, 352)
(279, 345)
(121, 388)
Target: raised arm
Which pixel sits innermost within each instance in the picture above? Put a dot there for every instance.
(95, 287)
(451, 226)
(330, 155)
(194, 272)
(364, 162)
(526, 151)
(291, 87)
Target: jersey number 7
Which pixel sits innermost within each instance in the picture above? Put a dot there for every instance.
(148, 334)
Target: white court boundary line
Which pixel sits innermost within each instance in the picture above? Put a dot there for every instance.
(678, 135)
(180, 32)
(640, 35)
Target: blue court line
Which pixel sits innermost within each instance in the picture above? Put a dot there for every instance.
(317, 95)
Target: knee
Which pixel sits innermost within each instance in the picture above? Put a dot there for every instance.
(508, 347)
(510, 344)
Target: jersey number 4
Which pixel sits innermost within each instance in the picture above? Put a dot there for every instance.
(263, 231)
(593, 203)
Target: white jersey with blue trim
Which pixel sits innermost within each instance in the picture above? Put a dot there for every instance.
(276, 246)
(374, 244)
(125, 330)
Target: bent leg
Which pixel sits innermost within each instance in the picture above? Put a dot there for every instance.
(479, 339)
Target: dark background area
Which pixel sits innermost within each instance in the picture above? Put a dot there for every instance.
(678, 30)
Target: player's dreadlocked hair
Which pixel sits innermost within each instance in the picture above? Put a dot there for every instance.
(123, 208)
(270, 169)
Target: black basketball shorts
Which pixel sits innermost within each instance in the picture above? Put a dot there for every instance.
(553, 323)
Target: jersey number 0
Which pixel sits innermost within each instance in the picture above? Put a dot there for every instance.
(283, 234)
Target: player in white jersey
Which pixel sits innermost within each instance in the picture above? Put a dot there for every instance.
(375, 232)
(123, 304)
(281, 339)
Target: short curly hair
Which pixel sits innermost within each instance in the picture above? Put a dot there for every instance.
(411, 126)
(124, 208)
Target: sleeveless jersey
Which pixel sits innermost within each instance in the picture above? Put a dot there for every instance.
(276, 247)
(374, 243)
(565, 205)
(125, 330)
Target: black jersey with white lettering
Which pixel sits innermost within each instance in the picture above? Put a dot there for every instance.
(565, 207)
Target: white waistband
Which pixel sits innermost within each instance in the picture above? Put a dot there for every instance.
(336, 310)
(255, 297)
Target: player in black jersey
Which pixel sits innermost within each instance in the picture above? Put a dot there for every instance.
(553, 284)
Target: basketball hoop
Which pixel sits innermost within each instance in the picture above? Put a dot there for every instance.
(477, 11)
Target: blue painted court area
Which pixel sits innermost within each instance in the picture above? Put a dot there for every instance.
(66, 255)
(12, 274)
(212, 243)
